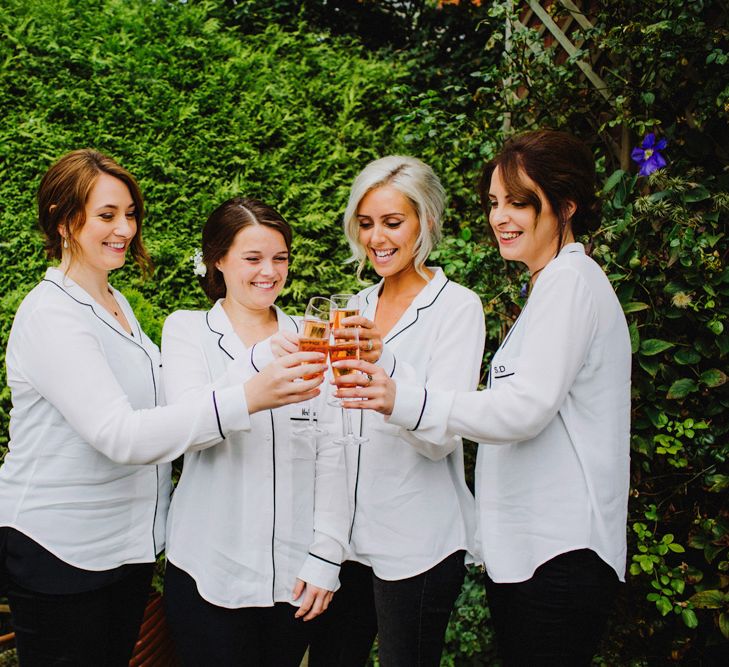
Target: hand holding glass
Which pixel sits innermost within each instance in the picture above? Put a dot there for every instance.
(315, 338)
(345, 346)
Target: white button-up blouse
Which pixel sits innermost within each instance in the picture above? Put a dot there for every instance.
(265, 506)
(84, 423)
(411, 504)
(553, 473)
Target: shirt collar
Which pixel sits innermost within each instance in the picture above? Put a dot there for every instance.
(230, 342)
(425, 298)
(79, 294)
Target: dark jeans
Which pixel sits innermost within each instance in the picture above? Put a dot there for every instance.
(343, 635)
(92, 629)
(208, 635)
(411, 616)
(558, 616)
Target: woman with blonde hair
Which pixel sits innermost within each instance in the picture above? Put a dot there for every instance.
(412, 522)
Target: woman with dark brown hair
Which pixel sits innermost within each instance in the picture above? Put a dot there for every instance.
(82, 507)
(258, 524)
(554, 421)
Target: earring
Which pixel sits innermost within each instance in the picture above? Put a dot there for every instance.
(65, 242)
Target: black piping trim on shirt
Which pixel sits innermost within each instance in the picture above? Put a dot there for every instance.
(394, 365)
(156, 504)
(331, 562)
(422, 410)
(220, 335)
(367, 296)
(253, 363)
(217, 416)
(151, 372)
(273, 527)
(296, 326)
(506, 375)
(417, 314)
(356, 486)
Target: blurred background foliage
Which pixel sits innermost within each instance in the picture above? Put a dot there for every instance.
(287, 101)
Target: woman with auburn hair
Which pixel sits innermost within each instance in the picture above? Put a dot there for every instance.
(412, 523)
(552, 471)
(258, 524)
(84, 489)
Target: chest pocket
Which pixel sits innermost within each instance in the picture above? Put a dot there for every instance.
(503, 370)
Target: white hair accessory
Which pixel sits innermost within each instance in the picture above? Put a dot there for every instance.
(199, 268)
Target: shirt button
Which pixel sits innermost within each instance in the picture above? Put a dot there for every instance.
(268, 438)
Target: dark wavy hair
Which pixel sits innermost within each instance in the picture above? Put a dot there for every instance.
(561, 165)
(62, 197)
(221, 228)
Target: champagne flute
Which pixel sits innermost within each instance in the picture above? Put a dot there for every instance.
(315, 338)
(345, 305)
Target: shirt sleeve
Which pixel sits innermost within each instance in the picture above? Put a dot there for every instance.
(186, 373)
(561, 323)
(331, 517)
(454, 365)
(64, 361)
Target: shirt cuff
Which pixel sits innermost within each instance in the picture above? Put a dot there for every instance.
(410, 402)
(231, 410)
(320, 572)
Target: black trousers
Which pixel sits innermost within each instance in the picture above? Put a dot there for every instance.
(207, 635)
(558, 616)
(96, 628)
(411, 616)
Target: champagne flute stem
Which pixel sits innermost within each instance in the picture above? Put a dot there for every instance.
(347, 422)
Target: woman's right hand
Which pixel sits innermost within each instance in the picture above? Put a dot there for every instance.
(275, 385)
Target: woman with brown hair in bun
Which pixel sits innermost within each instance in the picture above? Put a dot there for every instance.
(258, 524)
(552, 472)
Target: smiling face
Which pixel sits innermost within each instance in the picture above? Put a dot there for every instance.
(110, 223)
(389, 230)
(255, 267)
(522, 236)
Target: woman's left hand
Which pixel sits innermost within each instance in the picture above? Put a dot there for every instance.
(315, 600)
(372, 384)
(283, 343)
(370, 339)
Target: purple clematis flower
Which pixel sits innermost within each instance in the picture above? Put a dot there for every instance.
(648, 155)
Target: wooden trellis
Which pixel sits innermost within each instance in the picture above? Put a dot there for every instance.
(535, 15)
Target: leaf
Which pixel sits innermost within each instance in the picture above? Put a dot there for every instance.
(713, 377)
(634, 307)
(698, 193)
(681, 388)
(663, 604)
(689, 618)
(711, 599)
(652, 346)
(716, 327)
(687, 357)
(724, 624)
(613, 180)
